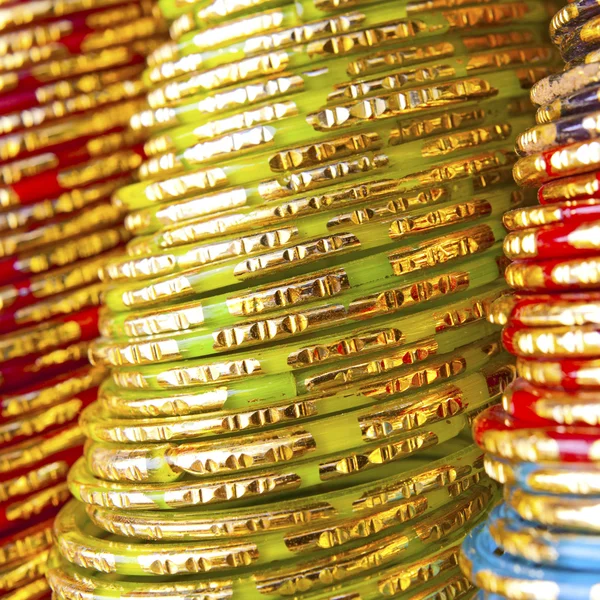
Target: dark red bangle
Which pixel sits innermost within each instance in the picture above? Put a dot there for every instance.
(20, 100)
(16, 459)
(12, 528)
(70, 155)
(14, 515)
(50, 184)
(32, 369)
(28, 291)
(82, 383)
(71, 252)
(59, 332)
(45, 421)
(556, 342)
(38, 75)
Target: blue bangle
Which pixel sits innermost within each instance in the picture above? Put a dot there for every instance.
(508, 574)
(532, 542)
(533, 477)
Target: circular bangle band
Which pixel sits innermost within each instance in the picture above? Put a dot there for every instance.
(504, 436)
(572, 375)
(172, 460)
(546, 310)
(280, 516)
(530, 403)
(42, 395)
(568, 82)
(554, 275)
(514, 578)
(579, 513)
(195, 341)
(528, 541)
(85, 549)
(552, 342)
(570, 479)
(69, 582)
(266, 484)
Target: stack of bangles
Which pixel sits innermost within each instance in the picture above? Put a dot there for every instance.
(297, 339)
(543, 542)
(70, 79)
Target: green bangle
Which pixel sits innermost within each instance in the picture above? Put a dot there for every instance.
(281, 486)
(242, 335)
(262, 393)
(84, 545)
(365, 429)
(443, 60)
(401, 579)
(316, 375)
(373, 227)
(316, 36)
(452, 475)
(339, 252)
(264, 31)
(99, 425)
(274, 143)
(231, 211)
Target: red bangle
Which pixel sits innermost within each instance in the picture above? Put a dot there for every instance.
(541, 407)
(554, 241)
(17, 459)
(552, 342)
(28, 291)
(571, 274)
(59, 332)
(547, 310)
(570, 375)
(571, 211)
(496, 432)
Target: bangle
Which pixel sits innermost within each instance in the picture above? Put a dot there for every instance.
(572, 375)
(42, 395)
(513, 578)
(43, 365)
(571, 16)
(564, 512)
(61, 305)
(265, 484)
(38, 448)
(26, 570)
(508, 438)
(528, 541)
(561, 478)
(546, 310)
(554, 275)
(298, 442)
(527, 402)
(30, 541)
(58, 135)
(574, 104)
(556, 86)
(71, 582)
(81, 547)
